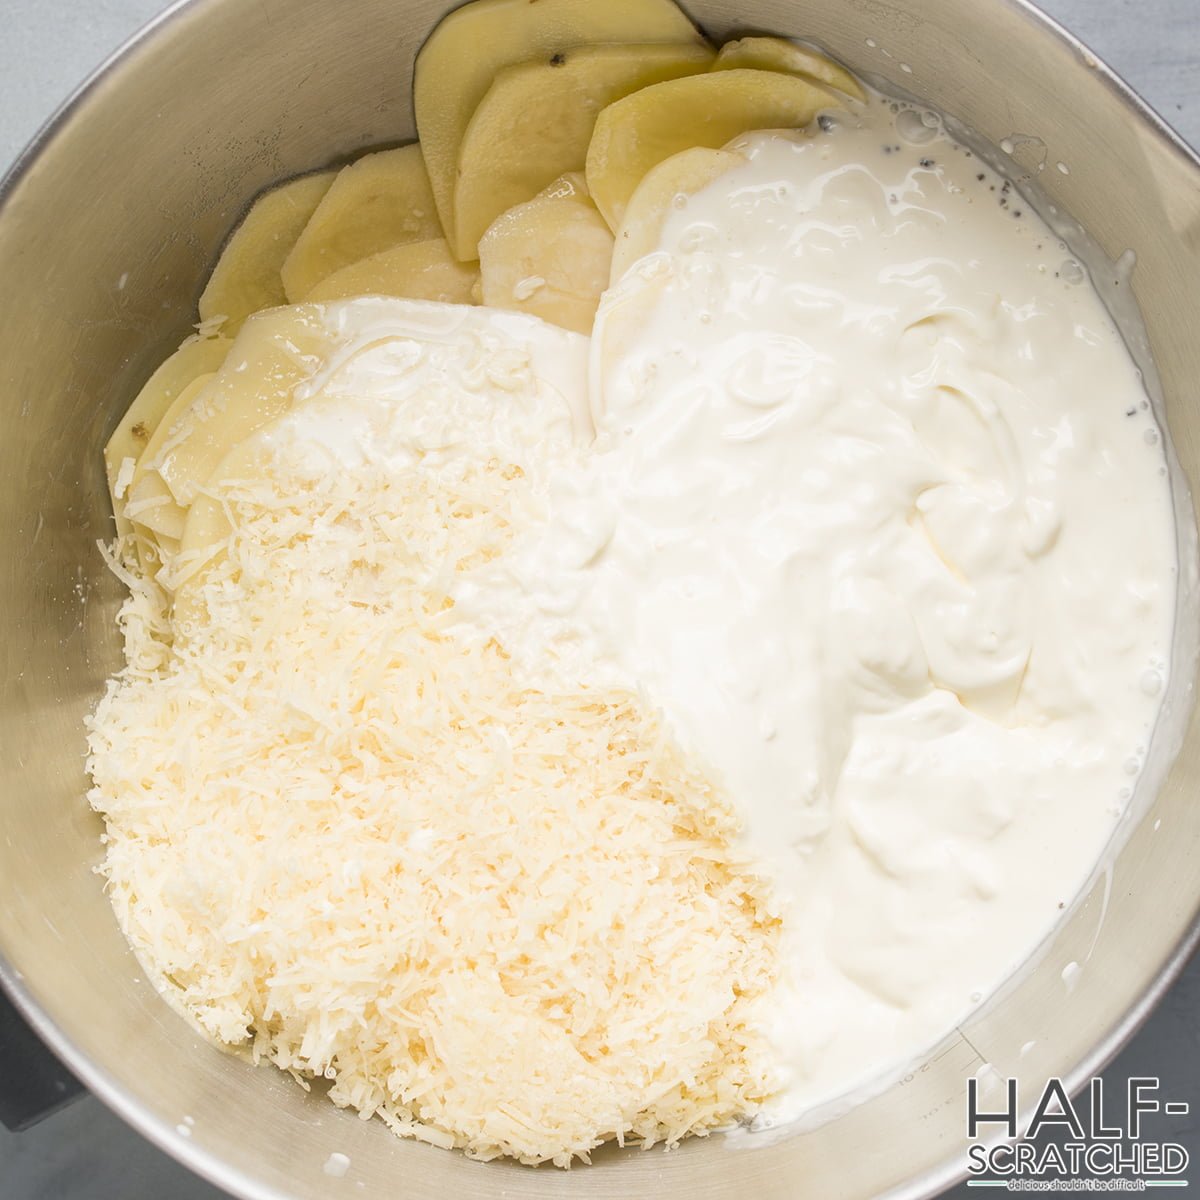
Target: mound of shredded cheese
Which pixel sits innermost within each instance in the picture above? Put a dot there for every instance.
(503, 917)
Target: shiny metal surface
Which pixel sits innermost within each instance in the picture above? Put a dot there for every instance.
(110, 225)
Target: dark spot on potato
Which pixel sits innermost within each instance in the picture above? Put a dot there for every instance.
(557, 60)
(140, 432)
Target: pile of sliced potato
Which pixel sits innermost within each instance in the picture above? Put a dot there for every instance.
(555, 139)
(550, 256)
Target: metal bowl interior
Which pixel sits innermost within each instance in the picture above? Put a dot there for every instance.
(108, 225)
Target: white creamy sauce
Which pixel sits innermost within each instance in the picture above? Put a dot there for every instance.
(877, 513)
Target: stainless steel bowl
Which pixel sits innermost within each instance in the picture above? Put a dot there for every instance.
(108, 224)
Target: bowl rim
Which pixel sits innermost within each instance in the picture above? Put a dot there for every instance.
(216, 1170)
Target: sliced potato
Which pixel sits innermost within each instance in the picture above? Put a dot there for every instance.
(247, 275)
(535, 122)
(380, 201)
(156, 519)
(778, 54)
(416, 271)
(276, 351)
(639, 131)
(656, 197)
(142, 418)
(463, 55)
(549, 257)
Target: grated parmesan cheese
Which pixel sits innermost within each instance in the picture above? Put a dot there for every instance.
(501, 916)
(124, 477)
(210, 327)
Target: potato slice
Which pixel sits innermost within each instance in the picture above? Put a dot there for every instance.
(416, 271)
(150, 508)
(656, 197)
(463, 55)
(380, 201)
(778, 54)
(536, 120)
(247, 275)
(638, 132)
(549, 256)
(142, 418)
(277, 350)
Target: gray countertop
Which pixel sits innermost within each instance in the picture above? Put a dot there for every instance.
(84, 1152)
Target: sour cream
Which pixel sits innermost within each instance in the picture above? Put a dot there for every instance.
(877, 513)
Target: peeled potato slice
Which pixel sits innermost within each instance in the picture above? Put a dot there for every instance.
(638, 132)
(276, 351)
(463, 55)
(150, 508)
(778, 54)
(247, 275)
(131, 437)
(536, 120)
(380, 201)
(416, 271)
(549, 257)
(656, 196)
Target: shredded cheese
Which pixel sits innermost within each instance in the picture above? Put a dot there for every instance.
(124, 477)
(502, 917)
(210, 327)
